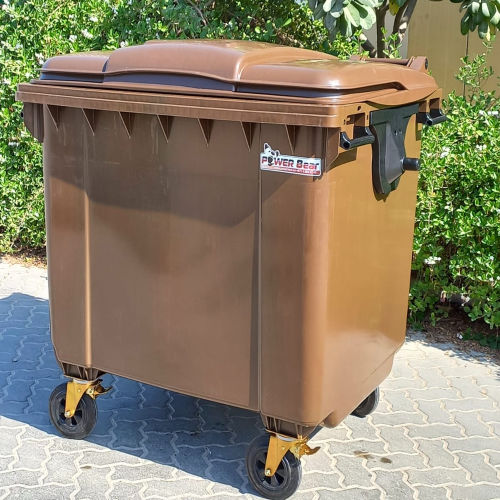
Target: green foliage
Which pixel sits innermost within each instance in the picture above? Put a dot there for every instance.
(33, 30)
(458, 208)
(347, 16)
(481, 14)
(457, 235)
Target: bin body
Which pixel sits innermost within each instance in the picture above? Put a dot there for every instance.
(179, 257)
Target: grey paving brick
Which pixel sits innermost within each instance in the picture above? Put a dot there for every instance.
(467, 387)
(435, 453)
(435, 411)
(396, 440)
(470, 423)
(122, 490)
(433, 394)
(393, 461)
(437, 476)
(393, 484)
(436, 430)
(357, 493)
(353, 472)
(40, 492)
(398, 418)
(489, 415)
(30, 454)
(399, 400)
(360, 427)
(143, 472)
(473, 444)
(433, 378)
(92, 483)
(356, 447)
(401, 368)
(61, 468)
(333, 434)
(476, 492)
(469, 404)
(189, 487)
(476, 464)
(314, 480)
(12, 477)
(320, 461)
(431, 493)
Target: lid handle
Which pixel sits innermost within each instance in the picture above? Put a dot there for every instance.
(361, 136)
(433, 117)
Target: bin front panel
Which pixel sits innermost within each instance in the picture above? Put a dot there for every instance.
(166, 245)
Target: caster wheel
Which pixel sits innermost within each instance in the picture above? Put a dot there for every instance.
(285, 481)
(368, 405)
(78, 426)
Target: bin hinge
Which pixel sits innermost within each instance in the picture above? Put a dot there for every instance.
(278, 447)
(389, 160)
(75, 389)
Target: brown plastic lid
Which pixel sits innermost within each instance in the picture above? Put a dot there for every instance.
(234, 66)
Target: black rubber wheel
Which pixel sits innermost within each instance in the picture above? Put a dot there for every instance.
(285, 481)
(368, 405)
(81, 424)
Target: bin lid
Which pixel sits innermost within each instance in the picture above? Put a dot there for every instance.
(234, 67)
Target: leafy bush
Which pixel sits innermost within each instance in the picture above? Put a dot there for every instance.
(33, 30)
(457, 235)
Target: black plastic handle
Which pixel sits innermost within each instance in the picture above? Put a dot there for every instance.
(411, 163)
(362, 136)
(434, 117)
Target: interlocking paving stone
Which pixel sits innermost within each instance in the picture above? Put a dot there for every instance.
(434, 435)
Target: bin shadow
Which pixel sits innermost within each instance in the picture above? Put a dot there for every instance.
(193, 436)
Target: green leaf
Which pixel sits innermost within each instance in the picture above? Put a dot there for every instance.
(487, 9)
(351, 15)
(327, 5)
(483, 29)
(495, 18)
(337, 8)
(367, 17)
(464, 24)
(345, 27)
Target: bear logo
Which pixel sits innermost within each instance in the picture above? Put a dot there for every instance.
(270, 153)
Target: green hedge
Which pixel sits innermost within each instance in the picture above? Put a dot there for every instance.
(457, 235)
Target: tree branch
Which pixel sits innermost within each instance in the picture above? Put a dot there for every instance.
(199, 12)
(380, 15)
(402, 19)
(367, 45)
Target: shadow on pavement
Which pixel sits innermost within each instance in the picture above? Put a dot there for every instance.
(199, 437)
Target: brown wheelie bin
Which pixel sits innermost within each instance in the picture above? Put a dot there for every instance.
(230, 220)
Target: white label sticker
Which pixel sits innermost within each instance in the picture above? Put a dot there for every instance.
(273, 160)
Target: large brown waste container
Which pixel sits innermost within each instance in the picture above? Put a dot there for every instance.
(230, 220)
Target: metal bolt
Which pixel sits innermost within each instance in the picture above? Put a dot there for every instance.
(268, 472)
(67, 414)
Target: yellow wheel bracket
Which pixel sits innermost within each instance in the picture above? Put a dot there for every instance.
(75, 389)
(279, 445)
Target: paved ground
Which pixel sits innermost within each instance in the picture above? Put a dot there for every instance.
(435, 434)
